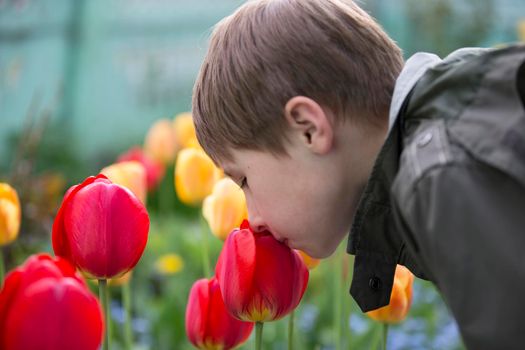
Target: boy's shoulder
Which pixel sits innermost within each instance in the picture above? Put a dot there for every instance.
(427, 149)
(459, 134)
(465, 111)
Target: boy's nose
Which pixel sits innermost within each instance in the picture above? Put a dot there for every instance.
(256, 222)
(257, 225)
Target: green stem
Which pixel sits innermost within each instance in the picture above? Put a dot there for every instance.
(290, 330)
(2, 267)
(376, 342)
(126, 301)
(258, 335)
(159, 199)
(103, 296)
(385, 334)
(205, 253)
(166, 191)
(338, 307)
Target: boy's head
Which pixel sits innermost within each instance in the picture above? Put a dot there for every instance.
(277, 68)
(269, 51)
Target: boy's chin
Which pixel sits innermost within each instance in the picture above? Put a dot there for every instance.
(320, 254)
(325, 252)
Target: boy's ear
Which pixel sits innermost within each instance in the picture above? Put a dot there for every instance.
(308, 119)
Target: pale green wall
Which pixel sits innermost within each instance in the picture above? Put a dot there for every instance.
(121, 64)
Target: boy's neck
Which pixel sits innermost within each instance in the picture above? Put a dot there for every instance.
(360, 145)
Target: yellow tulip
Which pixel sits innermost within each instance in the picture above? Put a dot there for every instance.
(185, 131)
(169, 264)
(521, 30)
(195, 175)
(400, 299)
(130, 174)
(225, 208)
(160, 143)
(10, 214)
(310, 262)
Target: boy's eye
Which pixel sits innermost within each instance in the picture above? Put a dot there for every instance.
(244, 182)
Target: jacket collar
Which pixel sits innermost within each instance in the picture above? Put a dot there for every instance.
(414, 69)
(373, 238)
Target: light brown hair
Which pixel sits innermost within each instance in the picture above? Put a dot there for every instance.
(269, 51)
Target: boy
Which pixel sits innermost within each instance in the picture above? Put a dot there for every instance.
(308, 106)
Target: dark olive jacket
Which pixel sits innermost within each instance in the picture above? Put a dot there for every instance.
(446, 197)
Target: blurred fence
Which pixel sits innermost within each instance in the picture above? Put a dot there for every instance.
(103, 70)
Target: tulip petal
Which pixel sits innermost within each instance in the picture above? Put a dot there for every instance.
(208, 323)
(154, 170)
(301, 278)
(59, 238)
(160, 141)
(9, 221)
(224, 209)
(197, 311)
(76, 321)
(287, 287)
(8, 294)
(236, 265)
(107, 228)
(17, 304)
(10, 214)
(220, 324)
(130, 174)
(38, 267)
(245, 225)
(400, 298)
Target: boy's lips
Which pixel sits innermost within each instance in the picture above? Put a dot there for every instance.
(282, 240)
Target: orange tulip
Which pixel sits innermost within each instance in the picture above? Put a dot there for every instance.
(310, 262)
(225, 208)
(130, 174)
(400, 299)
(185, 131)
(195, 175)
(160, 143)
(10, 214)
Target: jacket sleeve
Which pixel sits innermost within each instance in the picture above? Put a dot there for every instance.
(468, 227)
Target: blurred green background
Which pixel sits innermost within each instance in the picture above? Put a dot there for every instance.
(104, 70)
(82, 80)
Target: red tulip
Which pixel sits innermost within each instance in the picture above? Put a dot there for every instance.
(261, 279)
(101, 227)
(154, 170)
(208, 323)
(46, 305)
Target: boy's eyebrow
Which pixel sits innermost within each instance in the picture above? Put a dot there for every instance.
(227, 172)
